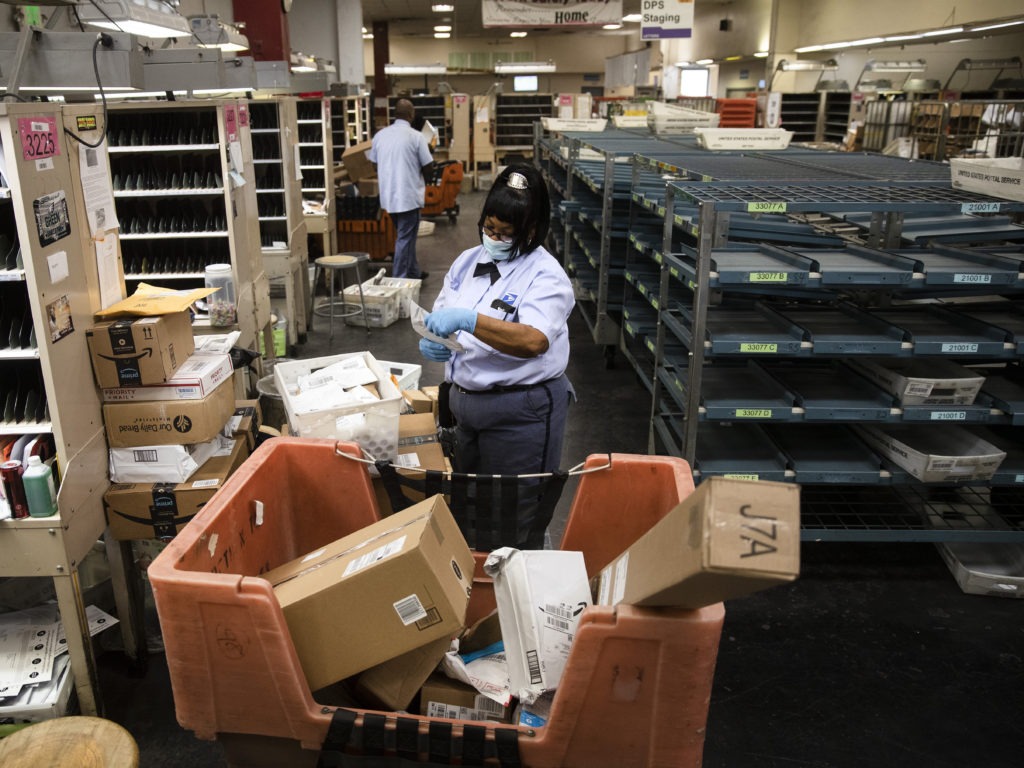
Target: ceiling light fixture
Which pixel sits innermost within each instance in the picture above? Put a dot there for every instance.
(211, 32)
(899, 38)
(523, 67)
(443, 28)
(442, 35)
(760, 54)
(633, 18)
(997, 26)
(517, 34)
(948, 31)
(611, 26)
(705, 62)
(442, 8)
(415, 69)
(155, 20)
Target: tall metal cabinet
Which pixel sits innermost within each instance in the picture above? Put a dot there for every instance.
(184, 202)
(283, 240)
(48, 294)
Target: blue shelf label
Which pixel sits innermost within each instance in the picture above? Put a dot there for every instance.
(980, 208)
(959, 348)
(971, 278)
(949, 415)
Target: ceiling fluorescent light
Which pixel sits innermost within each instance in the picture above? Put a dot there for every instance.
(442, 8)
(865, 41)
(415, 69)
(523, 67)
(211, 32)
(517, 34)
(705, 62)
(760, 54)
(997, 26)
(937, 32)
(443, 28)
(898, 38)
(442, 35)
(146, 18)
(808, 49)
(633, 18)
(611, 26)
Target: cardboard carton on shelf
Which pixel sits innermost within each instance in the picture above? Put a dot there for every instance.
(138, 351)
(726, 539)
(923, 381)
(378, 593)
(934, 455)
(197, 377)
(160, 510)
(169, 422)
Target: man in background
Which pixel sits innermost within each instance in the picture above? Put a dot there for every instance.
(403, 163)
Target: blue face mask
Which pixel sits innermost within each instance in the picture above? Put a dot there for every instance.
(496, 249)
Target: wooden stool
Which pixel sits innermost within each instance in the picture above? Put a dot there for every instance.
(70, 742)
(341, 262)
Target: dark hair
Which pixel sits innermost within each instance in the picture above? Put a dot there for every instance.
(528, 210)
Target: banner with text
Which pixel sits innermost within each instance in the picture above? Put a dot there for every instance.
(551, 13)
(663, 19)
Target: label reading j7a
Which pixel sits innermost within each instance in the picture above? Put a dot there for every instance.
(769, 277)
(766, 207)
(759, 347)
(971, 278)
(959, 348)
(753, 413)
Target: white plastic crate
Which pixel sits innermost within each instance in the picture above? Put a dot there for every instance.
(670, 118)
(743, 138)
(373, 425)
(407, 374)
(383, 305)
(999, 176)
(410, 290)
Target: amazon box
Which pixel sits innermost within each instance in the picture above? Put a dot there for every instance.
(726, 539)
(138, 351)
(357, 163)
(390, 588)
(160, 510)
(169, 422)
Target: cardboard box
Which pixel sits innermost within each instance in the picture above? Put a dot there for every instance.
(160, 510)
(385, 590)
(443, 697)
(356, 163)
(540, 595)
(418, 450)
(419, 401)
(394, 684)
(197, 377)
(369, 187)
(935, 455)
(164, 463)
(246, 422)
(169, 422)
(924, 381)
(726, 539)
(133, 352)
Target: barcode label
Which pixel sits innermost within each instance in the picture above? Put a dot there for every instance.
(145, 456)
(561, 610)
(560, 624)
(488, 706)
(408, 460)
(212, 483)
(410, 610)
(533, 667)
(374, 556)
(920, 388)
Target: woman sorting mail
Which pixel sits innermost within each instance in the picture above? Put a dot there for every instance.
(507, 303)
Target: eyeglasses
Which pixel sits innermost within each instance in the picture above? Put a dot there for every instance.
(495, 235)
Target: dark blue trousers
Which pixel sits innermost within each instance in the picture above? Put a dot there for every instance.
(407, 225)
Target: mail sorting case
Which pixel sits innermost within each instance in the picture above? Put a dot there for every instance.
(638, 681)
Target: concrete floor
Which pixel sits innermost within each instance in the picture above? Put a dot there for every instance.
(872, 658)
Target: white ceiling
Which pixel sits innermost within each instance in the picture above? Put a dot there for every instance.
(414, 18)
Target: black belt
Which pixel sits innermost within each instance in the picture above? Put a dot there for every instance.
(500, 389)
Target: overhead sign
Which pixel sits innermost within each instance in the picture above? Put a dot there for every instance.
(551, 13)
(663, 19)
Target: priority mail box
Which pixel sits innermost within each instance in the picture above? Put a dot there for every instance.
(385, 590)
(137, 351)
(196, 378)
(160, 510)
(163, 422)
(926, 381)
(726, 539)
(540, 596)
(935, 455)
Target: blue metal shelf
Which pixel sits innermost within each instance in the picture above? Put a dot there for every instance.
(834, 393)
(827, 453)
(739, 450)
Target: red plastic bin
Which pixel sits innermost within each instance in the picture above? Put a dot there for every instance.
(637, 684)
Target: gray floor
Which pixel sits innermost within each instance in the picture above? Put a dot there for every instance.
(872, 658)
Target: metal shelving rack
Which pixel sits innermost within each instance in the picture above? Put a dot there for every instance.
(283, 239)
(350, 122)
(432, 108)
(514, 117)
(750, 382)
(172, 166)
(316, 162)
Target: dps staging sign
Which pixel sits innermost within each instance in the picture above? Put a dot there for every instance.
(550, 13)
(664, 19)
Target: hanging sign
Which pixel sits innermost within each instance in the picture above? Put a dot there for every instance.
(550, 13)
(663, 19)
(231, 122)
(38, 137)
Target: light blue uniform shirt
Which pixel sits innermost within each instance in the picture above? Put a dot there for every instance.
(541, 295)
(400, 153)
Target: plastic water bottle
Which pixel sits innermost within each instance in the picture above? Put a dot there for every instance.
(39, 488)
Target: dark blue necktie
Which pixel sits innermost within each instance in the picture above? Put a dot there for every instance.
(487, 268)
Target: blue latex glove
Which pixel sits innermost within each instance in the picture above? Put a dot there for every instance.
(434, 351)
(445, 322)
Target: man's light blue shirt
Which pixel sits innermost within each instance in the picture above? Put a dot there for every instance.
(400, 153)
